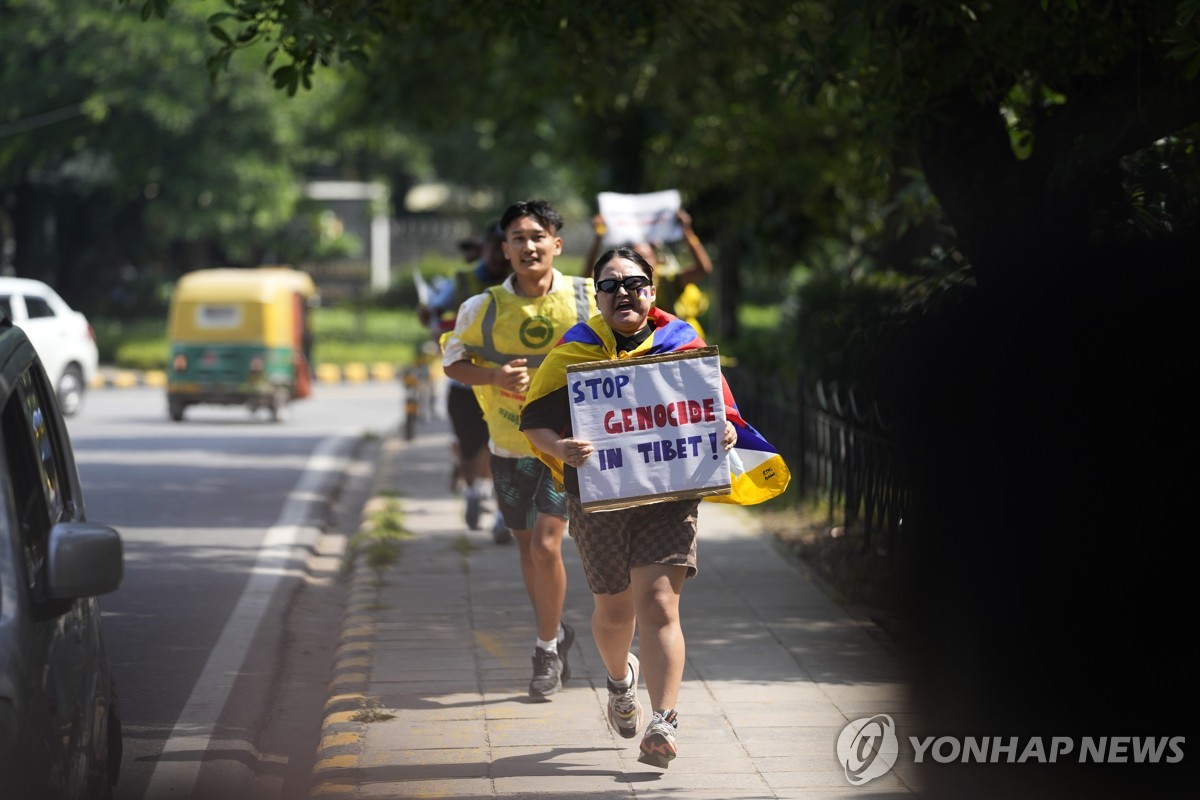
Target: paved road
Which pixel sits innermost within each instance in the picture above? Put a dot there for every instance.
(224, 517)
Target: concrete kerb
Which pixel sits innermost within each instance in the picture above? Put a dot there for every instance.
(342, 732)
(344, 727)
(108, 377)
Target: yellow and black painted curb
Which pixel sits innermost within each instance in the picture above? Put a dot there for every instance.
(343, 729)
(376, 372)
(348, 706)
(128, 378)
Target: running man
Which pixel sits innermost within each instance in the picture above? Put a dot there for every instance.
(499, 339)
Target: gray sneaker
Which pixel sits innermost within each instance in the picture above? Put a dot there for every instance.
(474, 509)
(624, 710)
(658, 745)
(547, 673)
(500, 532)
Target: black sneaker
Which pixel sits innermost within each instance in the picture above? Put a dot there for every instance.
(563, 646)
(547, 673)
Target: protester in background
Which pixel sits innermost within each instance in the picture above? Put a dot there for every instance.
(471, 249)
(498, 341)
(636, 559)
(472, 460)
(677, 285)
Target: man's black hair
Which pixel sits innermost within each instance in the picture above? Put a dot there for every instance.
(540, 210)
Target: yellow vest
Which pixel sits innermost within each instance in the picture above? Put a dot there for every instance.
(510, 326)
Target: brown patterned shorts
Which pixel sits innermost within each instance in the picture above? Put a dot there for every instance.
(610, 543)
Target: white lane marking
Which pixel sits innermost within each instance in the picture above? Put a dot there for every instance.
(178, 765)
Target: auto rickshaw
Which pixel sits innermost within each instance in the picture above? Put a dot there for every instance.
(240, 337)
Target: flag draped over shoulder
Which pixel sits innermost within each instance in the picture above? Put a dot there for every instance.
(757, 471)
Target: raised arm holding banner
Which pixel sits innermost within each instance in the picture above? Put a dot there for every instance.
(650, 217)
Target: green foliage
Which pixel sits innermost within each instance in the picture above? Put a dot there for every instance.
(854, 138)
(345, 335)
(342, 335)
(138, 344)
(314, 236)
(838, 326)
(838, 322)
(757, 344)
(380, 539)
(112, 127)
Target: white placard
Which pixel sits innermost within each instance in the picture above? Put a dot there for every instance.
(635, 218)
(656, 424)
(423, 289)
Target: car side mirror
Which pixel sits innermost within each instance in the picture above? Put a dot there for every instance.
(85, 559)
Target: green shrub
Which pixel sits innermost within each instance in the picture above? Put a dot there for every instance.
(341, 335)
(138, 344)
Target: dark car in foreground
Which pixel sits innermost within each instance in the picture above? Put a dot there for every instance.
(60, 729)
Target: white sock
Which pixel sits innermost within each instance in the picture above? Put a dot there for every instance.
(482, 487)
(550, 646)
(561, 633)
(625, 682)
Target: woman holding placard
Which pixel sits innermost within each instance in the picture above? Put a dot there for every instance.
(635, 559)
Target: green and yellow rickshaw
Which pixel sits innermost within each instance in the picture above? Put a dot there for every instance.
(240, 337)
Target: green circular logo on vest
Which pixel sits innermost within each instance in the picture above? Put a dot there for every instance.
(536, 332)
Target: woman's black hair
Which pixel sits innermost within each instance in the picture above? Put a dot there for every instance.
(627, 253)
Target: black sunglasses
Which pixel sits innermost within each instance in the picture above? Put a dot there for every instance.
(631, 284)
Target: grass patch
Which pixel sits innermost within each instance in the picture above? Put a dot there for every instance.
(464, 547)
(380, 538)
(371, 710)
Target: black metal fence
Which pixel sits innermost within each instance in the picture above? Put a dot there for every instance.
(840, 446)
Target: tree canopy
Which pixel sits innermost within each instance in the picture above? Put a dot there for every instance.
(117, 150)
(849, 135)
(1035, 126)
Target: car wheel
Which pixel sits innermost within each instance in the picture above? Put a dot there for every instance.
(175, 409)
(70, 390)
(116, 746)
(108, 770)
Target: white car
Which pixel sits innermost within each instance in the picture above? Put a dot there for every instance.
(62, 337)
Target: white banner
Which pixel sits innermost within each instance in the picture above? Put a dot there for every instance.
(633, 218)
(656, 424)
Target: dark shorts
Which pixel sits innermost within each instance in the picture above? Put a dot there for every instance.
(610, 543)
(524, 488)
(466, 417)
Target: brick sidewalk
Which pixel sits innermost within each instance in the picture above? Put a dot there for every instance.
(441, 643)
